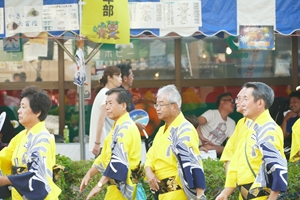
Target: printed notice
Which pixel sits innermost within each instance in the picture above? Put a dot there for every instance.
(182, 14)
(23, 19)
(145, 15)
(1, 21)
(60, 17)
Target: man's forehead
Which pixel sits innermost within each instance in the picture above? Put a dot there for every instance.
(161, 98)
(248, 92)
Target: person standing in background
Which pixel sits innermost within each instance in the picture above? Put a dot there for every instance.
(100, 124)
(127, 80)
(16, 77)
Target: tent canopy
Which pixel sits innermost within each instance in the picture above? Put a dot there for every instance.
(221, 16)
(217, 16)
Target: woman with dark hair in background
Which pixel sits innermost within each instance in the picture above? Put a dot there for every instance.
(100, 124)
(27, 162)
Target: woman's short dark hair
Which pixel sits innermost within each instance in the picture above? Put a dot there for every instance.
(38, 100)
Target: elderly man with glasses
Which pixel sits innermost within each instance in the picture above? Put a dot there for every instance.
(215, 126)
(173, 164)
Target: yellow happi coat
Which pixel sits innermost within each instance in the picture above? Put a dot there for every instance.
(121, 153)
(234, 139)
(33, 150)
(259, 157)
(295, 148)
(181, 137)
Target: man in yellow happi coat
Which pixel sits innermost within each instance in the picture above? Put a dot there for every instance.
(173, 165)
(236, 137)
(295, 148)
(121, 153)
(258, 166)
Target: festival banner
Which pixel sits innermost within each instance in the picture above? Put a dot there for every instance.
(109, 22)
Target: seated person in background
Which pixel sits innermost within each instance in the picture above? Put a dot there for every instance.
(194, 121)
(215, 126)
(289, 120)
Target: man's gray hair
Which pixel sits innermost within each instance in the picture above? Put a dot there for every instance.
(171, 93)
(261, 91)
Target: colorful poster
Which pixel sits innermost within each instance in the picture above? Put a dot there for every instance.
(256, 37)
(9, 56)
(146, 15)
(109, 22)
(23, 16)
(60, 17)
(12, 44)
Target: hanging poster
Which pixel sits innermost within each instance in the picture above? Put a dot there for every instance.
(1, 21)
(60, 17)
(23, 16)
(9, 56)
(39, 46)
(146, 15)
(12, 44)
(182, 14)
(256, 37)
(109, 22)
(80, 74)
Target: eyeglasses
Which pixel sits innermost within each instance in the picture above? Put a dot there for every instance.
(231, 100)
(241, 99)
(161, 105)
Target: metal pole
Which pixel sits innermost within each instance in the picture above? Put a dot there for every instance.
(81, 102)
(81, 122)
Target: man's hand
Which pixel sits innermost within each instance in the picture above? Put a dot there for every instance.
(152, 179)
(221, 197)
(93, 192)
(203, 149)
(96, 149)
(84, 181)
(225, 193)
(140, 126)
(289, 115)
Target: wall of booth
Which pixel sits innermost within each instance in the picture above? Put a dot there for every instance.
(200, 68)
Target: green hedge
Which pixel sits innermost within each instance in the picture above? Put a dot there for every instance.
(214, 173)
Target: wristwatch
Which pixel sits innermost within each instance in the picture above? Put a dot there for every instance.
(201, 197)
(100, 185)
